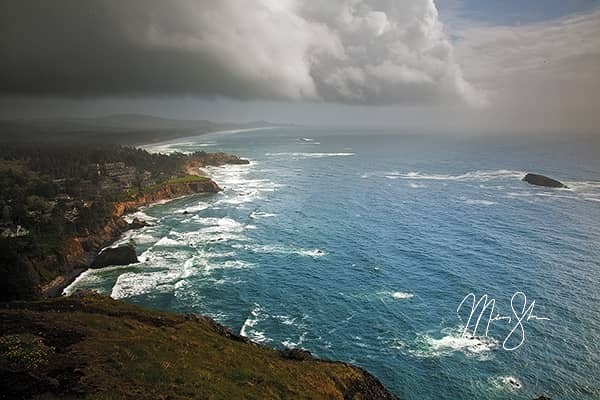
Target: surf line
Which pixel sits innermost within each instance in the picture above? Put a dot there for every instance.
(521, 313)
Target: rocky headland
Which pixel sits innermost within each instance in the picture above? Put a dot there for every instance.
(27, 274)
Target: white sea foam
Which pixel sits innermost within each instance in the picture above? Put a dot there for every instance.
(195, 208)
(453, 341)
(506, 383)
(239, 187)
(248, 330)
(138, 237)
(163, 271)
(402, 295)
(141, 215)
(230, 264)
(511, 382)
(310, 155)
(292, 345)
(224, 224)
(168, 242)
(478, 202)
(87, 276)
(416, 185)
(261, 214)
(281, 249)
(285, 319)
(538, 194)
(467, 176)
(137, 283)
(309, 141)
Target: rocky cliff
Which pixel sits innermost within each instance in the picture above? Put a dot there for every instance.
(90, 346)
(30, 278)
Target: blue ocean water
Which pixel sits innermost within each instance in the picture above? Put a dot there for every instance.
(359, 246)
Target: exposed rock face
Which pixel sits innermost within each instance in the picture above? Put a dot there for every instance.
(541, 180)
(122, 255)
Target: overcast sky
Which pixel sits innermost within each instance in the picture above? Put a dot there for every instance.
(447, 66)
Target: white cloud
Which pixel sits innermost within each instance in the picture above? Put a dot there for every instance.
(539, 76)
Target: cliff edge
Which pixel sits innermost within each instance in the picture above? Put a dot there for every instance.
(90, 346)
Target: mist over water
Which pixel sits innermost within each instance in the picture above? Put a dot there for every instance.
(361, 247)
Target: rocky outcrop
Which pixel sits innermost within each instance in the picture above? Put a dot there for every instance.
(541, 180)
(122, 255)
(215, 159)
(201, 159)
(137, 223)
(296, 354)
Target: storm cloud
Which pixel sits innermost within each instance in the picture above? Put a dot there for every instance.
(341, 51)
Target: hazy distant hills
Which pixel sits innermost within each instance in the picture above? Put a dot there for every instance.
(118, 128)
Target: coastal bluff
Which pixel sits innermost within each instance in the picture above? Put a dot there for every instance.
(70, 213)
(90, 346)
(47, 275)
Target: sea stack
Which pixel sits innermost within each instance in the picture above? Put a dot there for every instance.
(541, 180)
(122, 255)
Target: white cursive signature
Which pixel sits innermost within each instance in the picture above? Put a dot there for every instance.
(520, 315)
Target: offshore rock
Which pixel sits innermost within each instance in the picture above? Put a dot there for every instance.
(137, 224)
(541, 180)
(122, 255)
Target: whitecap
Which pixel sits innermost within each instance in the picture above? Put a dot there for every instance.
(285, 319)
(248, 330)
(137, 283)
(195, 208)
(402, 295)
(478, 202)
(281, 249)
(453, 341)
(261, 214)
(141, 215)
(506, 383)
(478, 175)
(168, 242)
(292, 345)
(310, 155)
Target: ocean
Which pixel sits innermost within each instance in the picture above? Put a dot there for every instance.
(360, 245)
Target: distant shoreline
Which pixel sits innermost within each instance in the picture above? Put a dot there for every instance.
(180, 140)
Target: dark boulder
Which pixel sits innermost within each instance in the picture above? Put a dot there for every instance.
(137, 224)
(541, 180)
(122, 255)
(296, 354)
(542, 397)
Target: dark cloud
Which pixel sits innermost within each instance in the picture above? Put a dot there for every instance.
(347, 51)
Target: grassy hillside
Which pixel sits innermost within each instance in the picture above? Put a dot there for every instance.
(92, 347)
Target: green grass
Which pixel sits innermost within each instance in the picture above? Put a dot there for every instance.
(118, 351)
(186, 179)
